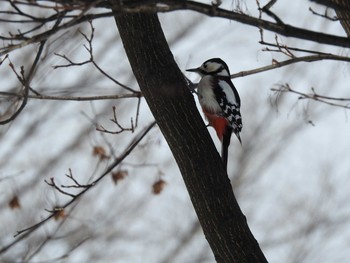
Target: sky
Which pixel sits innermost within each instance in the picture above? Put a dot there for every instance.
(291, 176)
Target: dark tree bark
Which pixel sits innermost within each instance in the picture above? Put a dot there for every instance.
(173, 107)
(343, 13)
(342, 9)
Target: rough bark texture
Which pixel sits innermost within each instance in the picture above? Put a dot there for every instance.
(173, 107)
(343, 13)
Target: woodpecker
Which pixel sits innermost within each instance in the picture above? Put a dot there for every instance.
(220, 101)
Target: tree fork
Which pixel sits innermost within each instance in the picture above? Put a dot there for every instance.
(173, 107)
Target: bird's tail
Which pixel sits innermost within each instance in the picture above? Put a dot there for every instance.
(226, 139)
(239, 138)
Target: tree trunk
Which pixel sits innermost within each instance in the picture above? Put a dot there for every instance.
(173, 107)
(343, 13)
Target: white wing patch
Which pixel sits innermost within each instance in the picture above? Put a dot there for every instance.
(206, 95)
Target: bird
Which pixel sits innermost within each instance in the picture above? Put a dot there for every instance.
(220, 102)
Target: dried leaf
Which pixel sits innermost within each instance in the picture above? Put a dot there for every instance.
(119, 175)
(59, 213)
(14, 203)
(100, 152)
(158, 186)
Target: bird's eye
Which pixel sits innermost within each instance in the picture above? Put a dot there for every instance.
(205, 65)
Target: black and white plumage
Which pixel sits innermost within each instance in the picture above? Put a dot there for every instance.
(220, 101)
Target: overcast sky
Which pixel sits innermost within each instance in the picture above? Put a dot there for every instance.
(291, 175)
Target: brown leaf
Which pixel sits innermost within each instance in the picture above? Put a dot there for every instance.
(59, 213)
(14, 203)
(158, 186)
(100, 152)
(119, 175)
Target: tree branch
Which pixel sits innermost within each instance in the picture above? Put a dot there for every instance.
(27, 231)
(25, 81)
(73, 98)
(332, 101)
(280, 28)
(170, 6)
(277, 64)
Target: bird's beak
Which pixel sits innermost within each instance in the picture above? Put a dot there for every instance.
(193, 69)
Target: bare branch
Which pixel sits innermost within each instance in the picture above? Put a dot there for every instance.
(325, 15)
(277, 64)
(314, 96)
(53, 184)
(283, 29)
(266, 9)
(25, 81)
(76, 183)
(137, 114)
(74, 98)
(282, 48)
(115, 121)
(70, 62)
(91, 60)
(75, 19)
(166, 6)
(109, 169)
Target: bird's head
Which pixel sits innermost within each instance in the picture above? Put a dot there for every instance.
(213, 66)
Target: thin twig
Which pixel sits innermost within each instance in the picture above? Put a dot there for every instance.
(53, 184)
(170, 6)
(266, 10)
(110, 168)
(76, 183)
(25, 81)
(277, 64)
(115, 121)
(314, 96)
(73, 98)
(91, 60)
(325, 15)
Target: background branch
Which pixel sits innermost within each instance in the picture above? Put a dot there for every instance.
(278, 64)
(27, 231)
(332, 101)
(170, 6)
